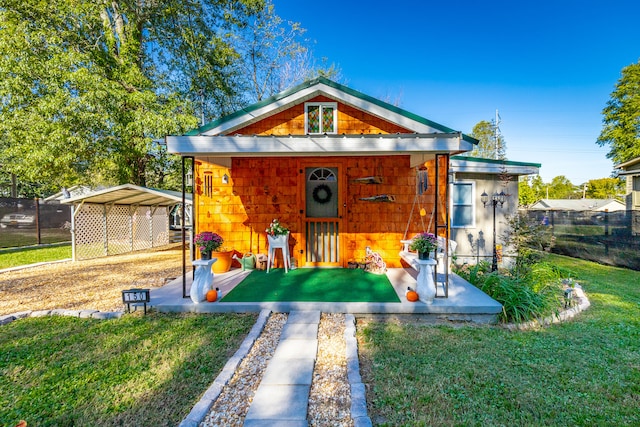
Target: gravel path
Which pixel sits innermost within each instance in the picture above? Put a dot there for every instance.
(329, 398)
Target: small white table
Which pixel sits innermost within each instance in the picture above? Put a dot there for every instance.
(202, 280)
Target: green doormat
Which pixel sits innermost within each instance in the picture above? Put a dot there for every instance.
(313, 285)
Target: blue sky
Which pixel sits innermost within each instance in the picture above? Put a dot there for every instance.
(549, 67)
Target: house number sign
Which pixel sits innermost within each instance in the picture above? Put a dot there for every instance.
(131, 296)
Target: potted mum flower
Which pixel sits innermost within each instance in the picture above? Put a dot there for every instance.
(208, 242)
(210, 245)
(424, 244)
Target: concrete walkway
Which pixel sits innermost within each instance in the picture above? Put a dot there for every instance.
(282, 397)
(283, 394)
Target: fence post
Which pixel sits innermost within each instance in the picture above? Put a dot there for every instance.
(37, 221)
(606, 232)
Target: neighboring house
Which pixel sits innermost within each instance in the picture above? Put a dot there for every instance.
(631, 171)
(471, 221)
(599, 205)
(67, 193)
(344, 171)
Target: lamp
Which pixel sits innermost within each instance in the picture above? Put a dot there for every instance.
(495, 199)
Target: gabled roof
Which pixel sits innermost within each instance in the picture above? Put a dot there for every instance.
(322, 86)
(129, 194)
(492, 166)
(578, 205)
(220, 140)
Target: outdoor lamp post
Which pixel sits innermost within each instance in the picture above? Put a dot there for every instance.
(495, 199)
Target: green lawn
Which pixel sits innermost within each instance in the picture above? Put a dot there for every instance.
(142, 371)
(582, 372)
(24, 256)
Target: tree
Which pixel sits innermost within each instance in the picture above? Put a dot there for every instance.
(562, 188)
(539, 187)
(526, 194)
(86, 87)
(621, 129)
(604, 188)
(274, 55)
(492, 144)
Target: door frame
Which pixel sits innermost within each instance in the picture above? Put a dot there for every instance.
(328, 162)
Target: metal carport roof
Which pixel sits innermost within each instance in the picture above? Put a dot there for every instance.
(129, 194)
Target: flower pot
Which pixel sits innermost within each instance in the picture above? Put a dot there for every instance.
(224, 261)
(205, 255)
(279, 241)
(423, 255)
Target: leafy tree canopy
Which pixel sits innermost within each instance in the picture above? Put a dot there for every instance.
(621, 121)
(86, 87)
(604, 188)
(492, 144)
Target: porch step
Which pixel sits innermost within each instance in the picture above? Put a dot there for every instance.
(283, 394)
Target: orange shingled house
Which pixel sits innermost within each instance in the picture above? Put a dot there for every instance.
(342, 170)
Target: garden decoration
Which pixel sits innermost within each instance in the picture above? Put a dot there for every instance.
(202, 280)
(425, 244)
(212, 295)
(208, 242)
(278, 237)
(412, 296)
(373, 262)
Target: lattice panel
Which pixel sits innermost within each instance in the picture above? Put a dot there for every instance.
(118, 226)
(142, 237)
(112, 230)
(89, 236)
(160, 235)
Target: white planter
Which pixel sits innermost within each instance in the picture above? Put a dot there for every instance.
(278, 241)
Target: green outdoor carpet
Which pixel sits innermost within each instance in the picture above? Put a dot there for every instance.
(313, 285)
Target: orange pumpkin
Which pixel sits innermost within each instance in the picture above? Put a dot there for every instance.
(412, 296)
(212, 295)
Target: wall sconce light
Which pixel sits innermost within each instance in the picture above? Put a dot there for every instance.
(188, 178)
(225, 179)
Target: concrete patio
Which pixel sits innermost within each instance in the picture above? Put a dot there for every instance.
(465, 302)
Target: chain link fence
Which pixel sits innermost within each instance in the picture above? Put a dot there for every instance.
(611, 238)
(25, 222)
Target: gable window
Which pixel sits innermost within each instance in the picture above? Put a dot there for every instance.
(462, 204)
(321, 117)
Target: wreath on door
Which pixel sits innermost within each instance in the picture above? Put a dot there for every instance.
(322, 194)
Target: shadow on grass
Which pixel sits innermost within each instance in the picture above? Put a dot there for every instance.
(470, 375)
(143, 371)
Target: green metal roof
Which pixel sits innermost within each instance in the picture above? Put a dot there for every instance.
(330, 83)
(496, 161)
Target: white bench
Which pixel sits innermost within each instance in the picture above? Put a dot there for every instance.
(425, 285)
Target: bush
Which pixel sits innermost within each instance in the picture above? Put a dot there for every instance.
(537, 294)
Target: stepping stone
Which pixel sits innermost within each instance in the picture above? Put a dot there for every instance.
(288, 371)
(296, 349)
(304, 317)
(307, 331)
(275, 402)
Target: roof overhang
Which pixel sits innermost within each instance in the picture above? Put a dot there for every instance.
(318, 145)
(463, 164)
(129, 194)
(628, 163)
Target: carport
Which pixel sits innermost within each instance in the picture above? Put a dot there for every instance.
(121, 219)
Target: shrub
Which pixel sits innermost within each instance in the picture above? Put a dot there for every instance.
(537, 294)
